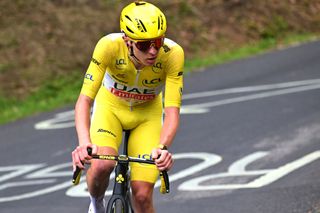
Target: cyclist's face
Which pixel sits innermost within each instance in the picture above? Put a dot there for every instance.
(147, 57)
(146, 52)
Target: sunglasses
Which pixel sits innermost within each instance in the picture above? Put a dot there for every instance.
(146, 45)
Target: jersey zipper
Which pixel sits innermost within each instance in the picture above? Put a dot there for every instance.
(135, 84)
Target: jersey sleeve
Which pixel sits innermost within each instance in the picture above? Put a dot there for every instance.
(97, 68)
(174, 78)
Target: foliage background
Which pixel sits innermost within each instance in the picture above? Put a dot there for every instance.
(47, 44)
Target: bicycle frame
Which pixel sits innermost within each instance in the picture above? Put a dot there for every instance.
(121, 190)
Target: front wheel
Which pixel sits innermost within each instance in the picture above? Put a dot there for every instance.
(117, 206)
(128, 198)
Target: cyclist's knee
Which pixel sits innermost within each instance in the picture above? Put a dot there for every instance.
(101, 168)
(142, 192)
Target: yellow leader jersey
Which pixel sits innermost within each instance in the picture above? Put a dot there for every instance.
(112, 70)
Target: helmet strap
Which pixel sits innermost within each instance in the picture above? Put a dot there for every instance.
(133, 56)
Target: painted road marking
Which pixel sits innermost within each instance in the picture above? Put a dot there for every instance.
(207, 160)
(255, 96)
(238, 170)
(250, 89)
(66, 119)
(50, 175)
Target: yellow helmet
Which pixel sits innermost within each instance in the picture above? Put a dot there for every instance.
(142, 21)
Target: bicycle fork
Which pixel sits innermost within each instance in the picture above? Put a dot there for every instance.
(120, 188)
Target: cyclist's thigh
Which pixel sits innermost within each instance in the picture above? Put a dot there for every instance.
(143, 139)
(105, 129)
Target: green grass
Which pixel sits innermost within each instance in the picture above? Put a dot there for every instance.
(246, 51)
(57, 93)
(65, 90)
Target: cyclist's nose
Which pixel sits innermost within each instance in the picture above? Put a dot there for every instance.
(153, 51)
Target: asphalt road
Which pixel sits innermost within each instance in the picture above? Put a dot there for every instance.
(248, 143)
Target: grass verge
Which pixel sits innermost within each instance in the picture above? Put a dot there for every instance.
(57, 93)
(65, 89)
(247, 50)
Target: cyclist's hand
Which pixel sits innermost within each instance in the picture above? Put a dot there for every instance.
(80, 155)
(162, 158)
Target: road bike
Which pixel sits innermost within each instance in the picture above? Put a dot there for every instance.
(120, 200)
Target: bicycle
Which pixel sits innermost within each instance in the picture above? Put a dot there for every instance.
(120, 200)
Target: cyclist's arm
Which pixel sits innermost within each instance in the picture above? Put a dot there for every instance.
(163, 158)
(82, 119)
(91, 84)
(174, 78)
(173, 95)
(170, 125)
(97, 68)
(90, 87)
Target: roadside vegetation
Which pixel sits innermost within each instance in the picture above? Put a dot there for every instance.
(46, 45)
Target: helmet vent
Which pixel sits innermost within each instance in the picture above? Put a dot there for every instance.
(141, 26)
(128, 17)
(129, 30)
(160, 22)
(138, 3)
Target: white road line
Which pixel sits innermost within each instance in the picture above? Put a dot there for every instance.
(284, 170)
(240, 165)
(66, 119)
(26, 183)
(15, 171)
(237, 169)
(254, 96)
(250, 89)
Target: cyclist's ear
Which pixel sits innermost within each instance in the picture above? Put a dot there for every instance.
(126, 39)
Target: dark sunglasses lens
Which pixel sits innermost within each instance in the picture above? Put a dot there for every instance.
(143, 45)
(158, 43)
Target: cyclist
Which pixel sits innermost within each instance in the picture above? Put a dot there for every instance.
(123, 85)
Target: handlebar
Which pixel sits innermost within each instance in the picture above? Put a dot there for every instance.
(165, 184)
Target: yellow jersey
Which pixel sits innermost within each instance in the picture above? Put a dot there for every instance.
(112, 70)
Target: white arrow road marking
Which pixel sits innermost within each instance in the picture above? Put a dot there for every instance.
(237, 169)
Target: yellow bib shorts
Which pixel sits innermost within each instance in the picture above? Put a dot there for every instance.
(110, 118)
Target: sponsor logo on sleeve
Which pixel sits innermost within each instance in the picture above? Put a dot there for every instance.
(89, 76)
(120, 63)
(95, 61)
(166, 48)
